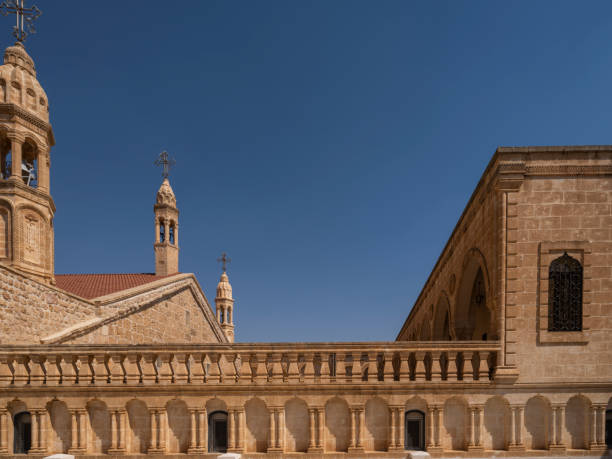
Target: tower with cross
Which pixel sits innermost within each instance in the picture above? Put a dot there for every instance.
(224, 301)
(26, 138)
(166, 223)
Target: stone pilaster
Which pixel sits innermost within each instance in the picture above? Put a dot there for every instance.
(516, 428)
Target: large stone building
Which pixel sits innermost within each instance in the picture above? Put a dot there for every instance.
(507, 351)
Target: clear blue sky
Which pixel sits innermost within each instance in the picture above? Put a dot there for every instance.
(328, 146)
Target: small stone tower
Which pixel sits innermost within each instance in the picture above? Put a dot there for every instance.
(225, 306)
(166, 231)
(26, 138)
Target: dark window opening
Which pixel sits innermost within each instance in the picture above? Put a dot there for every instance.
(162, 232)
(171, 235)
(565, 294)
(217, 432)
(415, 430)
(22, 441)
(609, 428)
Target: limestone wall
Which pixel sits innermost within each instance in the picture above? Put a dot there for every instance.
(549, 216)
(30, 310)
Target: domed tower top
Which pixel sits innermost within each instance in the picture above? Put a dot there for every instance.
(165, 195)
(225, 302)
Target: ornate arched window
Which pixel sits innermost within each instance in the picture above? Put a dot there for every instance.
(565, 294)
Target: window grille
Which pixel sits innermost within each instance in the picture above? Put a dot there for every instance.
(565, 294)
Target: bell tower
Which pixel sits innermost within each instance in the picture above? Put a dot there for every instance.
(26, 138)
(166, 224)
(224, 302)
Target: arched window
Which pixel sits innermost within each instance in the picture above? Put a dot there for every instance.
(217, 432)
(22, 440)
(162, 231)
(414, 436)
(171, 234)
(565, 294)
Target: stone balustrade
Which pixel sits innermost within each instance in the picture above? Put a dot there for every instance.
(250, 364)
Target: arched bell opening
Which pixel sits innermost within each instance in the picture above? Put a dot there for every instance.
(414, 430)
(29, 164)
(22, 428)
(5, 157)
(217, 432)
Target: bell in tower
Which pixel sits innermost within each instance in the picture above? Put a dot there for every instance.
(26, 137)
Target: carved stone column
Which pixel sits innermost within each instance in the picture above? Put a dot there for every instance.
(557, 437)
(392, 428)
(194, 447)
(517, 428)
(598, 416)
(437, 417)
(39, 426)
(240, 430)
(158, 431)
(311, 428)
(203, 431)
(3, 431)
(280, 437)
(361, 418)
(272, 431)
(16, 145)
(118, 421)
(78, 444)
(355, 445)
(321, 428)
(429, 422)
(231, 430)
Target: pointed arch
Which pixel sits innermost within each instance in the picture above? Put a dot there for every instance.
(442, 330)
(473, 312)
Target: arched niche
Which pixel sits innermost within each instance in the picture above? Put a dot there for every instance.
(258, 425)
(377, 425)
(497, 426)
(473, 315)
(337, 422)
(537, 422)
(455, 424)
(140, 426)
(99, 418)
(297, 421)
(60, 437)
(5, 229)
(577, 421)
(179, 426)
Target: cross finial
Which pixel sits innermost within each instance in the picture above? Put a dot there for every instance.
(225, 260)
(165, 162)
(25, 17)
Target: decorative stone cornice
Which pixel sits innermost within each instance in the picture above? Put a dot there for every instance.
(15, 111)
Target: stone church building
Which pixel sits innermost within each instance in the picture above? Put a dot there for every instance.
(507, 351)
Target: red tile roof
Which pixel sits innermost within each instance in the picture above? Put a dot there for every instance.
(95, 285)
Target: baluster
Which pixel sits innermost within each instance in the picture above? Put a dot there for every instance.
(22, 371)
(293, 372)
(276, 372)
(261, 372)
(369, 370)
(197, 369)
(228, 372)
(436, 366)
(6, 373)
(181, 372)
(309, 371)
(99, 369)
(325, 374)
(53, 371)
(483, 367)
(115, 372)
(419, 370)
(37, 370)
(340, 368)
(214, 373)
(246, 374)
(404, 369)
(85, 374)
(388, 367)
(149, 372)
(132, 373)
(164, 369)
(349, 365)
(468, 366)
(452, 370)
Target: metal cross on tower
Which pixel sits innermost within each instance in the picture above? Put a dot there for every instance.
(225, 260)
(165, 162)
(25, 17)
